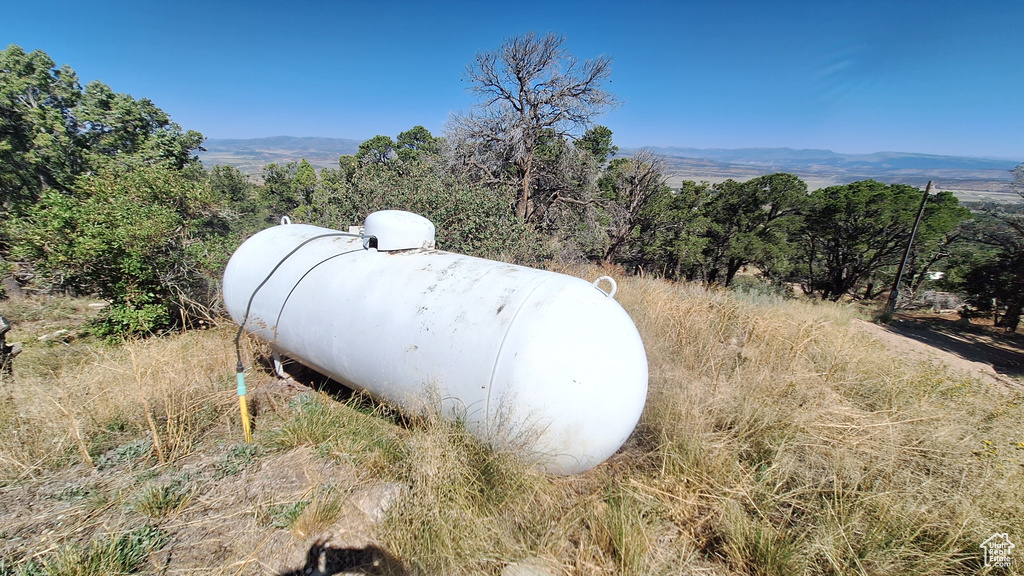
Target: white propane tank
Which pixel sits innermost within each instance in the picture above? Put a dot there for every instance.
(523, 356)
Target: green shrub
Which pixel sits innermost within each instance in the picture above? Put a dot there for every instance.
(238, 458)
(159, 500)
(470, 218)
(113, 554)
(122, 233)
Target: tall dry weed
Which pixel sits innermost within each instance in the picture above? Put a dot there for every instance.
(470, 508)
(170, 390)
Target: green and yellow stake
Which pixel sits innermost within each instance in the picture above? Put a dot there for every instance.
(240, 372)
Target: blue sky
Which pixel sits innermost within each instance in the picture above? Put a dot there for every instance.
(928, 76)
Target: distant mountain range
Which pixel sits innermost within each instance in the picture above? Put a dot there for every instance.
(251, 155)
(769, 157)
(973, 179)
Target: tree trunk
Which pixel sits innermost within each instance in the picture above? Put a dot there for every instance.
(609, 252)
(1011, 319)
(732, 267)
(9, 286)
(523, 208)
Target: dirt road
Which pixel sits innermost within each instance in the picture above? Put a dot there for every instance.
(968, 348)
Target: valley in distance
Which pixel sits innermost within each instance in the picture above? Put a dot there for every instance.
(970, 179)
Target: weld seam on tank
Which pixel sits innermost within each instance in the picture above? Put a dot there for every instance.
(280, 311)
(497, 357)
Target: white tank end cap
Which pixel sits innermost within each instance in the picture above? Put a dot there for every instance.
(399, 230)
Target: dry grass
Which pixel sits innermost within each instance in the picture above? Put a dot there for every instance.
(810, 447)
(169, 392)
(357, 431)
(111, 554)
(777, 439)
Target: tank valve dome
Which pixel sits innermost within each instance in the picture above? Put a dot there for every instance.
(399, 230)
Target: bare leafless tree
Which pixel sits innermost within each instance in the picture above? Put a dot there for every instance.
(529, 88)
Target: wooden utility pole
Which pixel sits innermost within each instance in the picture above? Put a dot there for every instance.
(894, 295)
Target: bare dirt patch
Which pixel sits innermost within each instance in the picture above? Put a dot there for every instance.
(228, 525)
(970, 349)
(242, 510)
